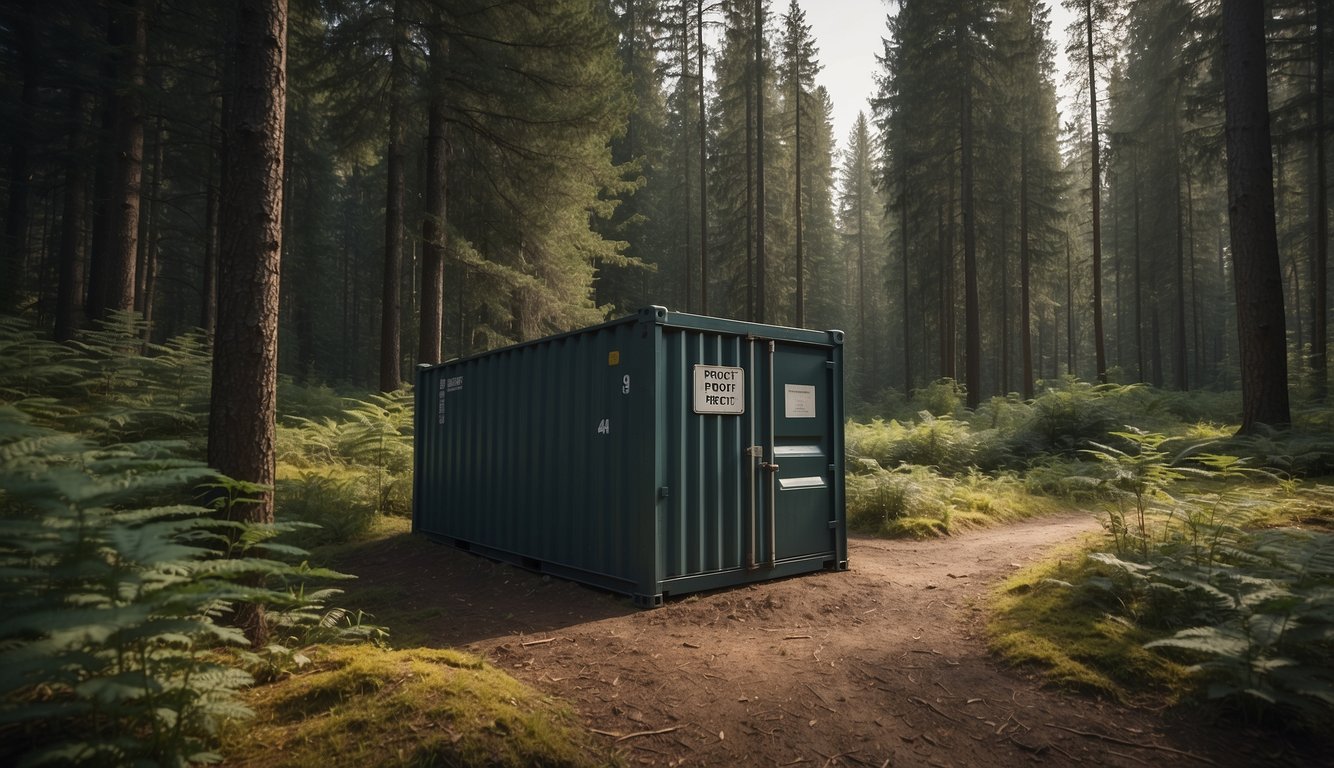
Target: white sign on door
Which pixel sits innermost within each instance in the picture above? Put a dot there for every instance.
(720, 389)
(799, 401)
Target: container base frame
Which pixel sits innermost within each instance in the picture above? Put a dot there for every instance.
(675, 586)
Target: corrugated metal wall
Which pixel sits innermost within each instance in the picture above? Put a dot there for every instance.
(584, 455)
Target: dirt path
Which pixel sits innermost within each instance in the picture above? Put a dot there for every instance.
(885, 664)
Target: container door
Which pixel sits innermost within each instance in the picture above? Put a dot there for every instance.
(802, 444)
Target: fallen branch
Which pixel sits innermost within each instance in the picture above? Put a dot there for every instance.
(648, 733)
(797, 637)
(1126, 743)
(932, 707)
(537, 642)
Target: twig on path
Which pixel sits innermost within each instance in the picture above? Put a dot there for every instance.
(932, 707)
(624, 736)
(649, 733)
(527, 643)
(1126, 743)
(794, 762)
(817, 693)
(797, 637)
(1057, 747)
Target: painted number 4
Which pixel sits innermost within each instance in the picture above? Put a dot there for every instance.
(604, 427)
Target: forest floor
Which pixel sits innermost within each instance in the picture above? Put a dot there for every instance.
(885, 664)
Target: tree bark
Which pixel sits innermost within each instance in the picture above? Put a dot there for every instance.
(1258, 283)
(750, 199)
(703, 157)
(796, 192)
(391, 301)
(688, 273)
(760, 266)
(1095, 201)
(208, 299)
(16, 222)
(1320, 251)
(1181, 377)
(127, 168)
(148, 280)
(1025, 271)
(74, 220)
(245, 353)
(903, 237)
(432, 318)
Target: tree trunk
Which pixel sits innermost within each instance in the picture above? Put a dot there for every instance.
(1258, 284)
(796, 203)
(245, 353)
(74, 220)
(434, 222)
(1139, 272)
(16, 222)
(688, 271)
(1025, 272)
(1182, 378)
(391, 302)
(1320, 251)
(943, 296)
(972, 307)
(1004, 300)
(127, 169)
(1095, 201)
(1069, 310)
(903, 236)
(703, 157)
(760, 266)
(208, 305)
(153, 235)
(750, 202)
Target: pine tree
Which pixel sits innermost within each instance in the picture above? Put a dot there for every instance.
(1259, 287)
(245, 354)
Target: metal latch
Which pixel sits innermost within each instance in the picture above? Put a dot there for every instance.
(767, 467)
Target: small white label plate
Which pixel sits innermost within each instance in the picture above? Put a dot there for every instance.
(799, 401)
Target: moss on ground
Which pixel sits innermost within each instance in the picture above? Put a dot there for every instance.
(1039, 619)
(362, 705)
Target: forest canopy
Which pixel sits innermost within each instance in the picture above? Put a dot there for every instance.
(463, 175)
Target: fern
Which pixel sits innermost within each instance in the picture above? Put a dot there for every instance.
(116, 593)
(1254, 609)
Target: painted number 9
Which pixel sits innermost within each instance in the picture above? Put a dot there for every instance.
(625, 384)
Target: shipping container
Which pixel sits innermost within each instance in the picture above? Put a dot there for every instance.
(655, 455)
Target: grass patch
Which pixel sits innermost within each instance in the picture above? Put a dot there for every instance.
(919, 502)
(1074, 637)
(362, 705)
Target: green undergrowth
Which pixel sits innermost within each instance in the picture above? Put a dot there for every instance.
(1076, 638)
(122, 574)
(343, 471)
(371, 706)
(1213, 581)
(930, 467)
(919, 502)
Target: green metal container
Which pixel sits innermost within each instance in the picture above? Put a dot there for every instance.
(655, 455)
